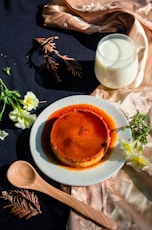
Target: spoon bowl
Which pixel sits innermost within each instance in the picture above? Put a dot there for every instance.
(22, 174)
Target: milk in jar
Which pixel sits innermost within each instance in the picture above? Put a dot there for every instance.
(116, 61)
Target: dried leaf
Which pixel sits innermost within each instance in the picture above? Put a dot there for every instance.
(23, 203)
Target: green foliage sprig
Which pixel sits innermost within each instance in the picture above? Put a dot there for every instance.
(140, 129)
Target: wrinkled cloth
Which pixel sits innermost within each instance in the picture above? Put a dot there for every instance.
(126, 197)
(90, 16)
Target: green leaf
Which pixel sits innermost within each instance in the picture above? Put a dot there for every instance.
(7, 70)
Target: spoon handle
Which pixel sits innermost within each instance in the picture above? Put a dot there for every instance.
(77, 205)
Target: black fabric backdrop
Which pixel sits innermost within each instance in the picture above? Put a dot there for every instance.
(20, 23)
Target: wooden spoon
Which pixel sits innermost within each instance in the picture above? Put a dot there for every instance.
(21, 174)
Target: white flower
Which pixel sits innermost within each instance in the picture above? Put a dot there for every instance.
(22, 118)
(138, 161)
(127, 147)
(3, 134)
(135, 159)
(30, 101)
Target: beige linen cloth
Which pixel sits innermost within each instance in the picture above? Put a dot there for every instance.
(126, 197)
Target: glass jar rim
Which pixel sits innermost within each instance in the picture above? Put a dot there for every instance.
(120, 36)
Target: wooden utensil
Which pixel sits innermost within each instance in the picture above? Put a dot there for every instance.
(21, 174)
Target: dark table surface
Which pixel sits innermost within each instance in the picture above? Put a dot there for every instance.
(20, 23)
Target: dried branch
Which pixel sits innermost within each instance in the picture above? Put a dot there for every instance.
(46, 47)
(23, 203)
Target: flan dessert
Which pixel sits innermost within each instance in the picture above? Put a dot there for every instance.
(79, 138)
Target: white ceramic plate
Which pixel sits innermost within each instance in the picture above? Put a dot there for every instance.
(79, 177)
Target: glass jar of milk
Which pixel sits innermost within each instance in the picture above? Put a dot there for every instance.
(116, 61)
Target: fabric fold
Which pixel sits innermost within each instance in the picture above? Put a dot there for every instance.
(96, 16)
(89, 21)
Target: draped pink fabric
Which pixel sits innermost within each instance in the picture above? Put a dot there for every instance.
(126, 197)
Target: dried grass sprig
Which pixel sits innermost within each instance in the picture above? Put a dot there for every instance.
(23, 203)
(46, 47)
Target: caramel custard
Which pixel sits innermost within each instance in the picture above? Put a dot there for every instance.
(79, 138)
